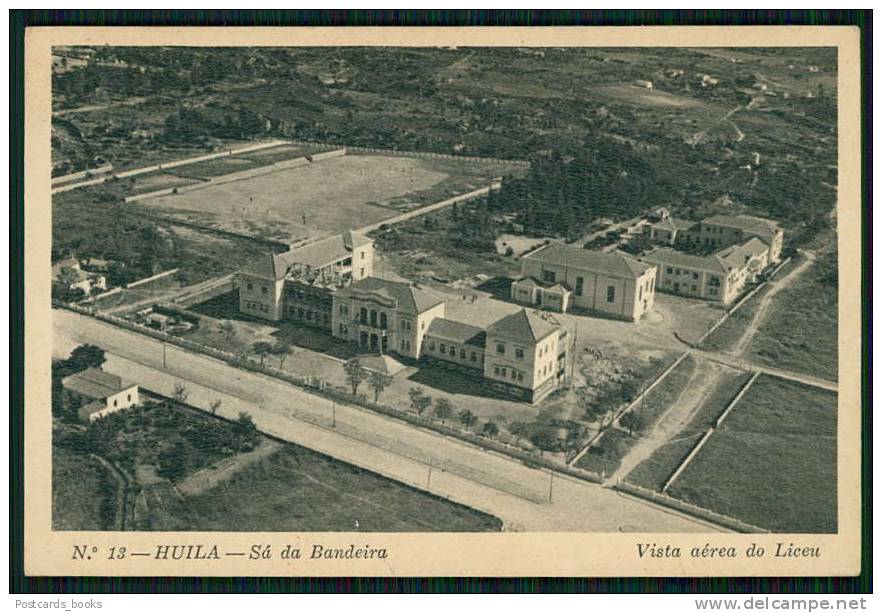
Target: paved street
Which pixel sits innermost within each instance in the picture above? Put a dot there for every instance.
(483, 480)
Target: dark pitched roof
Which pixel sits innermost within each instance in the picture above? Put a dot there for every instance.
(95, 383)
(741, 254)
(316, 254)
(615, 264)
(756, 225)
(522, 326)
(406, 297)
(674, 224)
(671, 257)
(457, 332)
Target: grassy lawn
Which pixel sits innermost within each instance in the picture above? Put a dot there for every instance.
(773, 463)
(727, 335)
(658, 468)
(812, 346)
(299, 490)
(82, 492)
(606, 456)
(213, 168)
(659, 399)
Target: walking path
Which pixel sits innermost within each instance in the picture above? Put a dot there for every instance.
(766, 301)
(677, 416)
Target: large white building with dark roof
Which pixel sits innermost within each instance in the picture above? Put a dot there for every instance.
(385, 316)
(299, 284)
(559, 277)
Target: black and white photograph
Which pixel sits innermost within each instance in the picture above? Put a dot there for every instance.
(444, 289)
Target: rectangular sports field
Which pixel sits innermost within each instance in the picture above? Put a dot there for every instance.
(773, 461)
(328, 196)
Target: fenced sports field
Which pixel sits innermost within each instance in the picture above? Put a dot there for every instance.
(326, 196)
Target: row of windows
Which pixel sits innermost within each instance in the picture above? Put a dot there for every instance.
(451, 350)
(518, 351)
(256, 306)
(309, 315)
(503, 372)
(263, 288)
(128, 399)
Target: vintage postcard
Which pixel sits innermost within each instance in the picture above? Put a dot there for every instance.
(443, 301)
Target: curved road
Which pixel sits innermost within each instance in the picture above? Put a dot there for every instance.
(494, 483)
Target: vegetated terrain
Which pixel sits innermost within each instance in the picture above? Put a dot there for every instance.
(773, 461)
(606, 455)
(298, 490)
(654, 472)
(813, 345)
(138, 247)
(82, 491)
(750, 130)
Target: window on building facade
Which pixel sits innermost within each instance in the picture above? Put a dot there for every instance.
(402, 344)
(384, 322)
(521, 377)
(251, 287)
(443, 348)
(129, 398)
(473, 357)
(344, 310)
(362, 273)
(462, 354)
(502, 371)
(611, 293)
(453, 351)
(500, 348)
(694, 275)
(579, 285)
(519, 353)
(373, 318)
(362, 255)
(363, 315)
(496, 370)
(670, 270)
(714, 281)
(548, 276)
(264, 289)
(114, 403)
(431, 345)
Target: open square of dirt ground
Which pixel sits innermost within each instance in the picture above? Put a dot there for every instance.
(320, 198)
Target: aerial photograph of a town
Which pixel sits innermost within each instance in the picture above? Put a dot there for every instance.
(452, 289)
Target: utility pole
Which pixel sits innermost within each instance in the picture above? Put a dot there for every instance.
(550, 485)
(429, 478)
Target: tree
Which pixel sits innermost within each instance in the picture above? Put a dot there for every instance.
(67, 276)
(227, 329)
(467, 418)
(443, 409)
(180, 394)
(419, 401)
(281, 350)
(86, 356)
(246, 432)
(215, 405)
(491, 429)
(633, 421)
(355, 373)
(378, 382)
(262, 349)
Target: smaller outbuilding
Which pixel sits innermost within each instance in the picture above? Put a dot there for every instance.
(102, 392)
